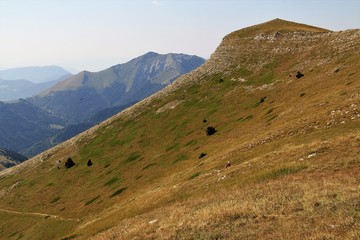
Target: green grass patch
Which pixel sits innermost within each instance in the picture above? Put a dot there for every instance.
(194, 89)
(90, 152)
(245, 118)
(211, 111)
(191, 143)
(342, 93)
(284, 171)
(271, 118)
(114, 142)
(125, 140)
(132, 157)
(119, 191)
(54, 200)
(270, 111)
(255, 105)
(21, 235)
(171, 147)
(92, 200)
(239, 72)
(149, 165)
(70, 237)
(112, 181)
(195, 175)
(32, 183)
(12, 235)
(181, 157)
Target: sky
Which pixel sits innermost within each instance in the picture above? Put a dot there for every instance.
(96, 34)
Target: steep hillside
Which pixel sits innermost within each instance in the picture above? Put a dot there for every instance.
(85, 94)
(23, 124)
(10, 158)
(278, 101)
(72, 130)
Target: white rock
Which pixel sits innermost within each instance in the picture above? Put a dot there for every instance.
(153, 221)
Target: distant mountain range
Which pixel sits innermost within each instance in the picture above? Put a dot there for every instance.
(15, 89)
(25, 82)
(73, 105)
(34, 74)
(86, 93)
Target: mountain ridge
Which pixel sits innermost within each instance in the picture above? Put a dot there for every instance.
(114, 86)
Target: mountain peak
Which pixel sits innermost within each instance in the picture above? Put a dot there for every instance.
(147, 56)
(151, 54)
(276, 25)
(118, 85)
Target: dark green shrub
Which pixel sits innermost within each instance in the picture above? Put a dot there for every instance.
(299, 75)
(118, 191)
(210, 130)
(69, 163)
(111, 181)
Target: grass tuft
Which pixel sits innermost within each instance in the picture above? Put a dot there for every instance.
(92, 200)
(195, 175)
(112, 181)
(55, 200)
(149, 165)
(132, 157)
(118, 192)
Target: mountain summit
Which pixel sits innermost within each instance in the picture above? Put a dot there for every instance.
(86, 93)
(260, 142)
(275, 26)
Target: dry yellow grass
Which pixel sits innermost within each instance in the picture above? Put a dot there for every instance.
(310, 206)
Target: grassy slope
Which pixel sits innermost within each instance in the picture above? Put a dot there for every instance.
(295, 156)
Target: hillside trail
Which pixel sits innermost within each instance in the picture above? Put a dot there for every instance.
(40, 215)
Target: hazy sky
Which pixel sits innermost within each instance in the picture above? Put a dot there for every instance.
(96, 34)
